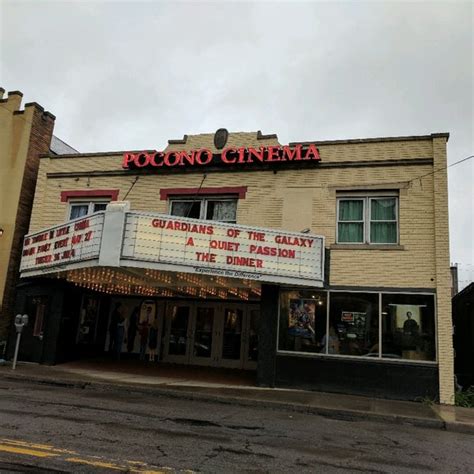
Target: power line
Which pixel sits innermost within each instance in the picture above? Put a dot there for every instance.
(439, 169)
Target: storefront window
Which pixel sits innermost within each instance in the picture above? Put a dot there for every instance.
(407, 320)
(408, 327)
(354, 324)
(303, 316)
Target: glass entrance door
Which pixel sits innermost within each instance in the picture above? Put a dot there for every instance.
(230, 352)
(251, 328)
(177, 336)
(205, 334)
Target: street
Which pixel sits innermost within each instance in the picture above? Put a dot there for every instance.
(47, 428)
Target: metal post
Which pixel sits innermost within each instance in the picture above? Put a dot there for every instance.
(15, 357)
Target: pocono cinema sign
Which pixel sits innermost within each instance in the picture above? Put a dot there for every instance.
(223, 249)
(245, 158)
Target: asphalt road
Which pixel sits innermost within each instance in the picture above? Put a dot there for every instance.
(55, 429)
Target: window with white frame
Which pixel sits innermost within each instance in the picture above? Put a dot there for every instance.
(83, 208)
(210, 208)
(367, 219)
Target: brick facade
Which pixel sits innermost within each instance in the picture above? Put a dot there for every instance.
(294, 199)
(30, 133)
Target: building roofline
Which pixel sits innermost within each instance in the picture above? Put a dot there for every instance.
(315, 142)
(374, 140)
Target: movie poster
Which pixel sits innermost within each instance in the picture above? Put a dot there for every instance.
(408, 318)
(301, 321)
(147, 312)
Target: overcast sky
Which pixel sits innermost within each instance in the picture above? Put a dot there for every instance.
(131, 75)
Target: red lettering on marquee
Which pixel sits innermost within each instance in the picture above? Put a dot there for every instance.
(260, 236)
(244, 261)
(183, 226)
(62, 231)
(224, 245)
(206, 257)
(82, 225)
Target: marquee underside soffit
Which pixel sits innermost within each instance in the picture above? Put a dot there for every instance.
(156, 283)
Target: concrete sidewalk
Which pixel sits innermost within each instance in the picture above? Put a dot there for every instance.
(235, 387)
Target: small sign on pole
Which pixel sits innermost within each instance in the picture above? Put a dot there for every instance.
(21, 320)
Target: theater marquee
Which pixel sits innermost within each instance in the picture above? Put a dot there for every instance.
(120, 238)
(230, 250)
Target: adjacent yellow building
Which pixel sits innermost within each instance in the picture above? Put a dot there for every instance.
(24, 135)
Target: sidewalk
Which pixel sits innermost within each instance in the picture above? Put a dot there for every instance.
(235, 387)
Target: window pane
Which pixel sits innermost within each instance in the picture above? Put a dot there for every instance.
(303, 321)
(99, 206)
(79, 210)
(351, 210)
(353, 232)
(354, 324)
(39, 304)
(221, 210)
(408, 327)
(186, 209)
(232, 337)
(383, 209)
(179, 330)
(383, 232)
(204, 331)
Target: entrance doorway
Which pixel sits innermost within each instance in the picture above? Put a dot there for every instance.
(217, 335)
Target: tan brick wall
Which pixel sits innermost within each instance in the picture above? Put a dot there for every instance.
(443, 275)
(289, 199)
(297, 199)
(24, 135)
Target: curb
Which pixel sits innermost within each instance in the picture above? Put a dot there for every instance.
(336, 413)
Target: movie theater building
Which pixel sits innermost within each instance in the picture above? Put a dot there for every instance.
(321, 265)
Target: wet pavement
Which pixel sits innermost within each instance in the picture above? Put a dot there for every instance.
(47, 428)
(238, 387)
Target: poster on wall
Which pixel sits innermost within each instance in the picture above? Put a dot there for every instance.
(89, 314)
(408, 318)
(356, 324)
(301, 320)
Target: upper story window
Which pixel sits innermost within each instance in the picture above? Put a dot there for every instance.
(83, 208)
(210, 208)
(82, 202)
(367, 219)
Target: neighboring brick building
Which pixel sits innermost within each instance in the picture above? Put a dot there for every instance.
(24, 135)
(372, 315)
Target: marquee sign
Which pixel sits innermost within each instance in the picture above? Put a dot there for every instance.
(72, 242)
(228, 250)
(117, 237)
(244, 158)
